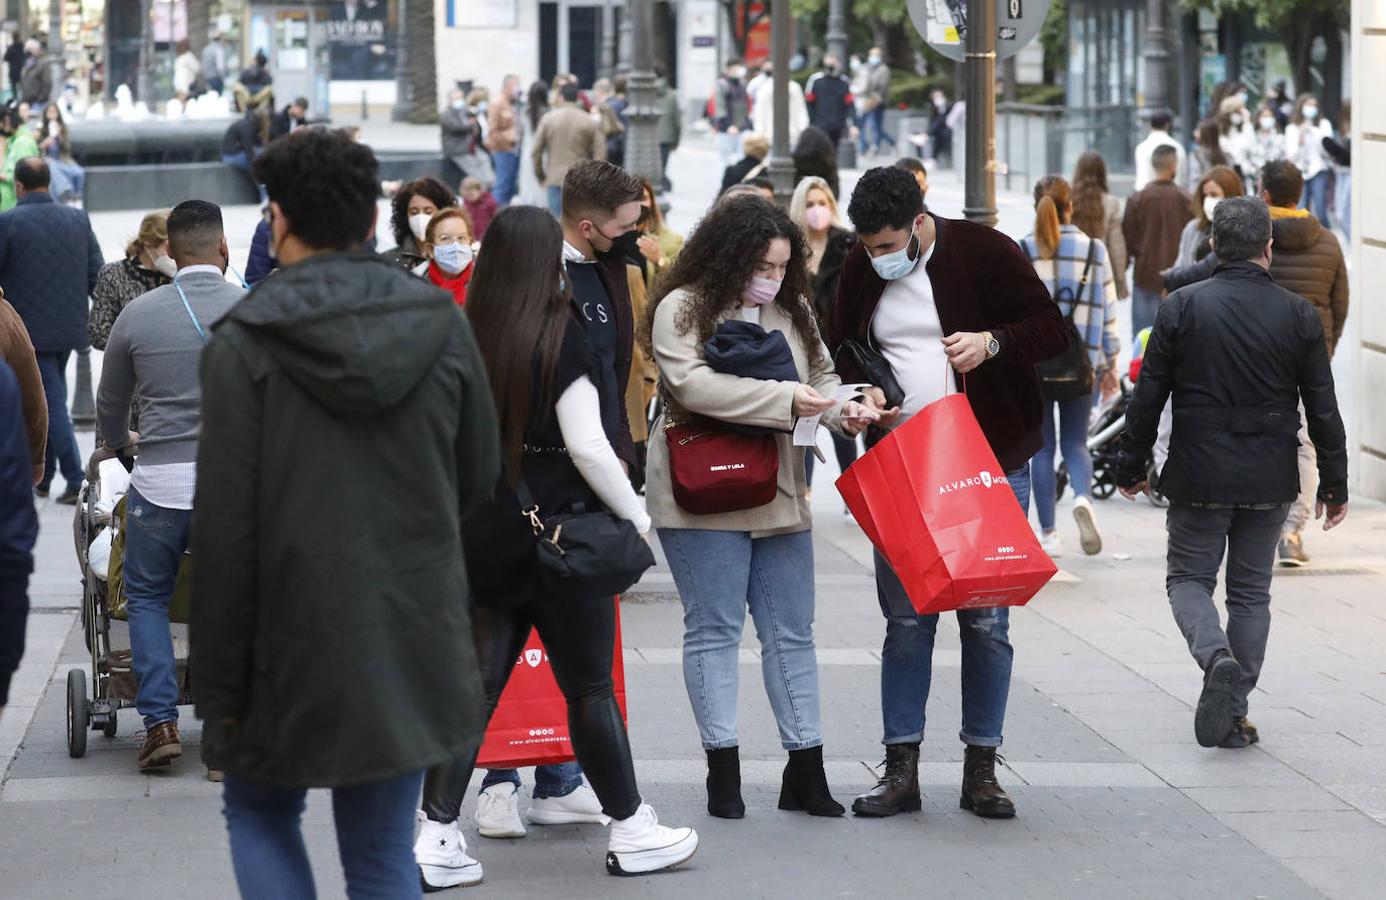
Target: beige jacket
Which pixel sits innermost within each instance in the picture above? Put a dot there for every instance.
(690, 386)
(565, 137)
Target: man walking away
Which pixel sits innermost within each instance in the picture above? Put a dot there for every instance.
(1155, 217)
(873, 134)
(49, 258)
(153, 353)
(565, 136)
(214, 63)
(830, 101)
(347, 429)
(503, 139)
(1237, 353)
(18, 531)
(1161, 124)
(670, 127)
(730, 110)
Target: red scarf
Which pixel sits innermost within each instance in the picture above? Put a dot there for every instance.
(454, 284)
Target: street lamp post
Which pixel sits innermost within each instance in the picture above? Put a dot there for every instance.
(404, 91)
(1155, 52)
(642, 89)
(624, 42)
(980, 187)
(607, 66)
(780, 171)
(837, 31)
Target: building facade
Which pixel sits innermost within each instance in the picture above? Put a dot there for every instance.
(1367, 434)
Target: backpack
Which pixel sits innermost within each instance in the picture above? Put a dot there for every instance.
(1070, 373)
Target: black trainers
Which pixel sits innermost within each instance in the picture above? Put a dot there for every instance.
(1213, 718)
(1243, 734)
(68, 497)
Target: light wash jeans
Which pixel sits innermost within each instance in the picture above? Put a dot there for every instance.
(1315, 197)
(558, 780)
(155, 540)
(1144, 305)
(554, 195)
(375, 839)
(907, 657)
(1073, 442)
(719, 575)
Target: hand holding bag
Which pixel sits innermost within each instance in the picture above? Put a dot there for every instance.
(585, 554)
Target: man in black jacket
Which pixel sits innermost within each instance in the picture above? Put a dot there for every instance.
(829, 98)
(1238, 353)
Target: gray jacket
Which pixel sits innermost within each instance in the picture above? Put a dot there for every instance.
(154, 350)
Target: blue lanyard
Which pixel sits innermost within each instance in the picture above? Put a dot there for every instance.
(245, 284)
(188, 306)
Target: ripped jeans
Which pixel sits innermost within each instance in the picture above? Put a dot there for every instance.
(907, 658)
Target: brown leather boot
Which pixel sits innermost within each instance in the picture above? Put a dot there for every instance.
(980, 791)
(161, 746)
(898, 789)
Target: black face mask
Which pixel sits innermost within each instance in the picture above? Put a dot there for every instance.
(625, 247)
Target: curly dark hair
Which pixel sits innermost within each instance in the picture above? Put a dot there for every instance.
(717, 262)
(325, 184)
(885, 197)
(428, 186)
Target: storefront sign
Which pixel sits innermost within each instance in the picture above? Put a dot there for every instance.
(943, 23)
(361, 40)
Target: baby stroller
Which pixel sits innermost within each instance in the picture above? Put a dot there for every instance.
(95, 698)
(1104, 441)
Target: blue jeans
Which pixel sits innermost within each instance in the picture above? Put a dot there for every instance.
(507, 166)
(728, 147)
(719, 574)
(1315, 197)
(243, 161)
(1342, 201)
(375, 838)
(1073, 441)
(907, 658)
(62, 443)
(155, 539)
(1144, 305)
(549, 781)
(555, 197)
(873, 132)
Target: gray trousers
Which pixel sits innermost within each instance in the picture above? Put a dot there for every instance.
(1198, 537)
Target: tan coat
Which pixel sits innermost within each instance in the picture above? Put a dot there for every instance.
(16, 349)
(644, 375)
(565, 137)
(690, 386)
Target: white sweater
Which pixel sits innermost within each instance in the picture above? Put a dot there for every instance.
(580, 421)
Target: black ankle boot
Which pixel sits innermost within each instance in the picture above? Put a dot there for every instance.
(724, 784)
(980, 791)
(805, 786)
(898, 789)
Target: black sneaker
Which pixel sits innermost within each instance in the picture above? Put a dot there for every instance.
(68, 497)
(1243, 734)
(41, 490)
(1213, 718)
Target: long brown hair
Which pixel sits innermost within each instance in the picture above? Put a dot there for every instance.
(519, 312)
(1226, 178)
(1052, 199)
(1089, 189)
(717, 262)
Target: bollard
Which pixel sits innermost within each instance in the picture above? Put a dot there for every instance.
(365, 110)
(83, 404)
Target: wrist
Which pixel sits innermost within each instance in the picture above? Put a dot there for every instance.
(990, 345)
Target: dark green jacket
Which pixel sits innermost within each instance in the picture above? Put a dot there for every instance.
(347, 428)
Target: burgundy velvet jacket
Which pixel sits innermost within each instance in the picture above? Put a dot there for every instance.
(982, 281)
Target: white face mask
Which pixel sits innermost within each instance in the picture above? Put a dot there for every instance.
(896, 265)
(1267, 123)
(165, 266)
(418, 224)
(453, 258)
(1236, 118)
(1311, 113)
(1210, 204)
(874, 59)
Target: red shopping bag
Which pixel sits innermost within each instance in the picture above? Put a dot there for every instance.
(934, 501)
(530, 724)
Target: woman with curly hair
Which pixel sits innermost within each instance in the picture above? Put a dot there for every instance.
(410, 212)
(748, 261)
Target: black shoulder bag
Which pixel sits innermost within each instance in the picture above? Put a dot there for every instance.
(1069, 374)
(585, 554)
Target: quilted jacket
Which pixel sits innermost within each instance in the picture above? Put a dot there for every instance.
(49, 258)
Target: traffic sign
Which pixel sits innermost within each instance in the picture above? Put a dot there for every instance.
(943, 24)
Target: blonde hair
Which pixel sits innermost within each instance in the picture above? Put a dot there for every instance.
(153, 232)
(756, 145)
(478, 95)
(798, 204)
(442, 215)
(1052, 201)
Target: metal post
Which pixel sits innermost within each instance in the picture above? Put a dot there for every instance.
(642, 90)
(606, 66)
(781, 167)
(980, 185)
(837, 32)
(624, 41)
(56, 61)
(142, 87)
(1155, 52)
(83, 402)
(404, 91)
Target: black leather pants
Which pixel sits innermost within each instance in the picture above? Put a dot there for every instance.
(579, 637)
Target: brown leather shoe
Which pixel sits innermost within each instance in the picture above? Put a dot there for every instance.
(161, 746)
(981, 794)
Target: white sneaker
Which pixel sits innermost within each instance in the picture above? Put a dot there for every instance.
(640, 844)
(581, 807)
(441, 854)
(498, 812)
(1088, 537)
(1050, 544)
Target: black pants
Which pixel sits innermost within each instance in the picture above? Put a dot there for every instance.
(579, 636)
(844, 447)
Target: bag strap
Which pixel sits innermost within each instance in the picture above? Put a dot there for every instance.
(1087, 270)
(528, 507)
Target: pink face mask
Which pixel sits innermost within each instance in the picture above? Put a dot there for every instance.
(817, 217)
(762, 290)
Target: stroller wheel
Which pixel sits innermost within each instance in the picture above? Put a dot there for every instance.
(1103, 486)
(109, 729)
(78, 713)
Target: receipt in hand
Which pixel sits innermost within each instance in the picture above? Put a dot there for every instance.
(806, 429)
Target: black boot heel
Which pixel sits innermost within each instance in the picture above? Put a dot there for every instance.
(805, 785)
(724, 784)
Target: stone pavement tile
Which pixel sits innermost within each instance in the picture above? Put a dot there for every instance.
(1370, 799)
(1190, 766)
(1337, 764)
(1342, 834)
(1220, 800)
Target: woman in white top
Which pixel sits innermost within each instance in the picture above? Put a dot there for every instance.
(1304, 147)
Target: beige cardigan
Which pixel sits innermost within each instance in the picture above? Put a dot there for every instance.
(689, 385)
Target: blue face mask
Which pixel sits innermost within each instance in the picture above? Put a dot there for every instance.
(894, 266)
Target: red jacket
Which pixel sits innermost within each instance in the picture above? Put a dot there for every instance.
(481, 211)
(982, 281)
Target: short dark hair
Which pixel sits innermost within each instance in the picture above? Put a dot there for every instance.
(912, 164)
(1164, 158)
(1283, 181)
(569, 92)
(301, 103)
(194, 230)
(428, 186)
(32, 173)
(1161, 120)
(761, 182)
(885, 197)
(595, 187)
(1241, 228)
(326, 185)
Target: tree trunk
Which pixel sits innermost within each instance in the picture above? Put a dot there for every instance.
(1332, 71)
(199, 23)
(423, 69)
(1298, 42)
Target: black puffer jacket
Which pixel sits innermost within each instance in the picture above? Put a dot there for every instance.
(1237, 352)
(347, 428)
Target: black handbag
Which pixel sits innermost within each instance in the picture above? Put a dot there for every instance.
(874, 368)
(1070, 374)
(585, 554)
